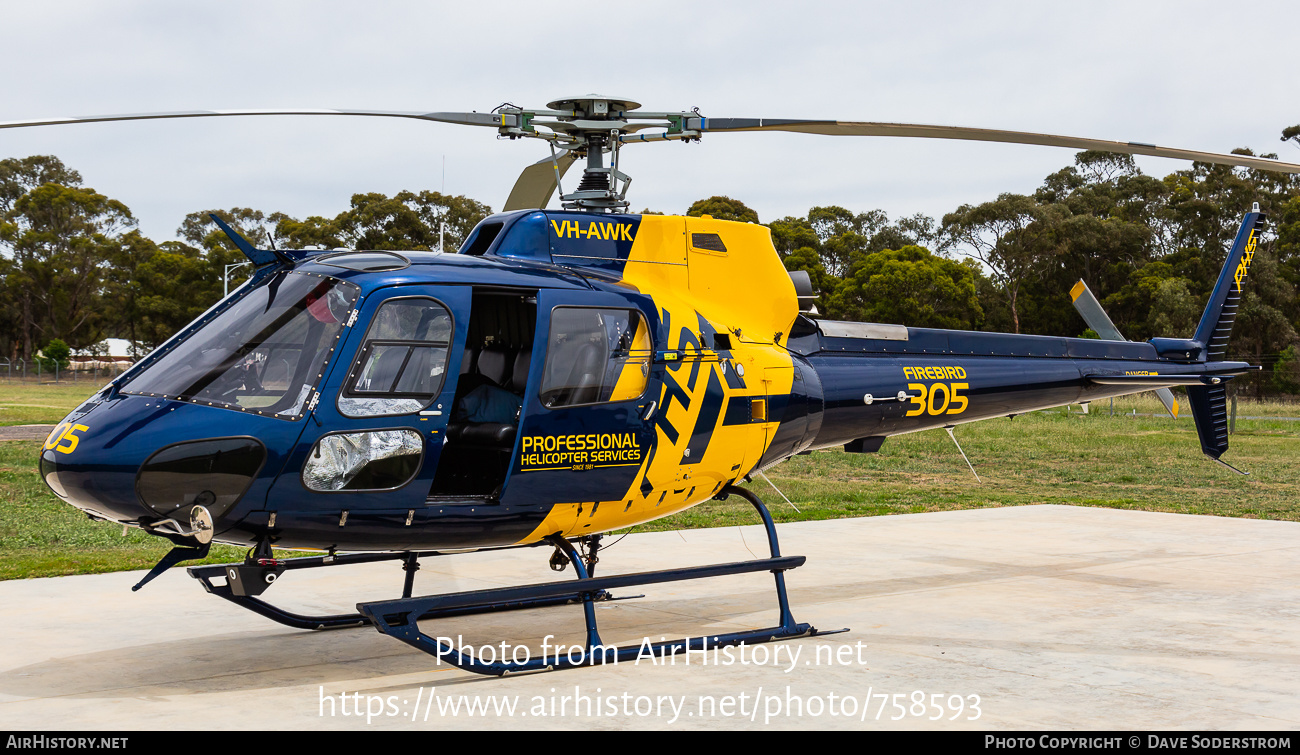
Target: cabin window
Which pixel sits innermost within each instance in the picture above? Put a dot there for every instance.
(526, 239)
(265, 353)
(595, 355)
(366, 262)
(371, 460)
(402, 363)
(480, 239)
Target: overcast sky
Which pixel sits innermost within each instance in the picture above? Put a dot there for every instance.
(1195, 75)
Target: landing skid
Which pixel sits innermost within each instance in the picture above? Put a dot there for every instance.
(207, 575)
(399, 618)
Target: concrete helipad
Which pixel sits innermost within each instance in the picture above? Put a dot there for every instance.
(1055, 617)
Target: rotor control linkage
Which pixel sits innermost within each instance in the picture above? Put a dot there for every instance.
(399, 618)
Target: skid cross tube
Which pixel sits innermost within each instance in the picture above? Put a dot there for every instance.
(399, 618)
(410, 563)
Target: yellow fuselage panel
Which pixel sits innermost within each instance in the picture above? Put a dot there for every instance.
(742, 290)
(745, 287)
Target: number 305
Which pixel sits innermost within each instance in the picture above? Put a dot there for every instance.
(938, 398)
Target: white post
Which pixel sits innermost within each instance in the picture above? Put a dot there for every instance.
(442, 228)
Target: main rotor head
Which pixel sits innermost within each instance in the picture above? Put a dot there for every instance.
(589, 126)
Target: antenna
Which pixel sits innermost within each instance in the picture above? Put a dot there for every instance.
(778, 491)
(963, 454)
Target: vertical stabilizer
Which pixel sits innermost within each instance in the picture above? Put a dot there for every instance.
(1210, 402)
(1216, 324)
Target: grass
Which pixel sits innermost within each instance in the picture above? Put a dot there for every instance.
(1151, 463)
(28, 402)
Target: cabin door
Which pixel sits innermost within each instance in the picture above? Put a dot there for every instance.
(584, 435)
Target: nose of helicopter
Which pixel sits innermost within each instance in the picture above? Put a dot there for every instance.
(115, 461)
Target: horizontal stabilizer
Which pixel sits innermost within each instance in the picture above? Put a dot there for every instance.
(1151, 380)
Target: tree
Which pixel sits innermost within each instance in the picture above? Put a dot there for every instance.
(1286, 373)
(1262, 328)
(834, 220)
(909, 286)
(1287, 246)
(842, 234)
(376, 221)
(915, 230)
(315, 232)
(791, 233)
(723, 208)
(54, 355)
(60, 236)
(1134, 308)
(209, 244)
(153, 290)
(1007, 236)
(1174, 311)
(408, 221)
(254, 225)
(19, 176)
(459, 212)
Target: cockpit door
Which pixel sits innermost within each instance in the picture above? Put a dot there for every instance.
(375, 435)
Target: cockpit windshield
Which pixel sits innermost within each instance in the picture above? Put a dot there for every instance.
(264, 354)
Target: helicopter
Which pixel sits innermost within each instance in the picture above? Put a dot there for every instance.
(566, 373)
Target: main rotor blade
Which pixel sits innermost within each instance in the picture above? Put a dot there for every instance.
(493, 120)
(537, 183)
(847, 128)
(1092, 313)
(1090, 310)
